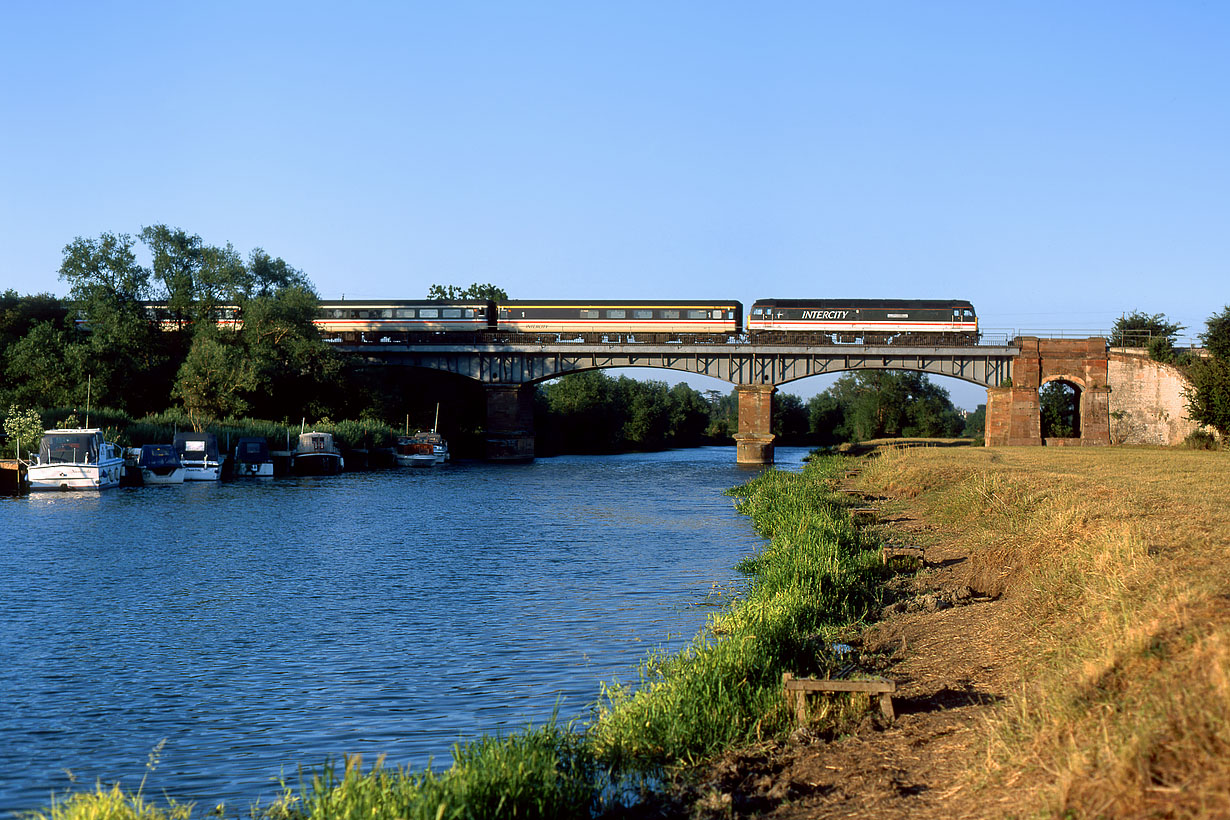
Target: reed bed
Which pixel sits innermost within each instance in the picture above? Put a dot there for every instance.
(815, 576)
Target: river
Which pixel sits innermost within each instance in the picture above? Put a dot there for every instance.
(213, 637)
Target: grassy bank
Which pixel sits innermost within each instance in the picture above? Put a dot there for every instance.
(815, 576)
(1116, 563)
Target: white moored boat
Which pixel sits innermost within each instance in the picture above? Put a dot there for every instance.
(77, 459)
(199, 454)
(160, 464)
(252, 458)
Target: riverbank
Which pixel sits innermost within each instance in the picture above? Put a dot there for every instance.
(1066, 651)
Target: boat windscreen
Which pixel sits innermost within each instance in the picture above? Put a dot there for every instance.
(74, 448)
(197, 446)
(158, 455)
(252, 450)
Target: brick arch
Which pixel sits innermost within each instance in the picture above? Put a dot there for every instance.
(1013, 413)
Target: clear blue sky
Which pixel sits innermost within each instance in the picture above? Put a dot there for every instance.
(1056, 163)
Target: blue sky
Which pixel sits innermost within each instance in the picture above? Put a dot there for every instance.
(1056, 163)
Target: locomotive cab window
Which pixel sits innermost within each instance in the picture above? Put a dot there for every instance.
(968, 313)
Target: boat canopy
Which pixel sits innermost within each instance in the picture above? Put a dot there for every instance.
(197, 446)
(315, 442)
(70, 446)
(252, 451)
(154, 456)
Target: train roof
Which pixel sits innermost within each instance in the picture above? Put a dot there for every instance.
(917, 304)
(368, 303)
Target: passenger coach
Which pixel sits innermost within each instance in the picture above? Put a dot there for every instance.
(659, 321)
(869, 321)
(400, 322)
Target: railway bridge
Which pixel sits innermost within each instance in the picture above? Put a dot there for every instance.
(1012, 374)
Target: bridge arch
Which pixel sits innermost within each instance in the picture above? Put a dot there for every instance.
(1014, 410)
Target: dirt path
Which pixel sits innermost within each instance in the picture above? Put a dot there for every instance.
(953, 661)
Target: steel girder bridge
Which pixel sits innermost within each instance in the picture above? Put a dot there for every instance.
(508, 373)
(739, 364)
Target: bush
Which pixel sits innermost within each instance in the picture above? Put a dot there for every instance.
(1201, 440)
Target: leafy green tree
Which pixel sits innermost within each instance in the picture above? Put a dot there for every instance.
(790, 418)
(1208, 399)
(884, 404)
(648, 413)
(122, 350)
(216, 377)
(689, 416)
(295, 369)
(24, 428)
(976, 423)
(1059, 412)
(195, 278)
(41, 368)
(474, 291)
(1216, 337)
(1136, 329)
(20, 313)
(825, 417)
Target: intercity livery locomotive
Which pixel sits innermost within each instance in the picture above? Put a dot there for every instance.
(511, 321)
(865, 321)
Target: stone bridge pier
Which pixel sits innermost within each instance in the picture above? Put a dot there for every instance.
(754, 441)
(1014, 414)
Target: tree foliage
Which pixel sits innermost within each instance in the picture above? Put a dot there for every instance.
(1058, 406)
(1137, 329)
(474, 291)
(591, 412)
(1208, 399)
(24, 427)
(883, 404)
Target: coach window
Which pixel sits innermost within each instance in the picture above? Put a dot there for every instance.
(642, 314)
(403, 313)
(616, 314)
(429, 313)
(589, 314)
(469, 313)
(452, 313)
(670, 314)
(698, 314)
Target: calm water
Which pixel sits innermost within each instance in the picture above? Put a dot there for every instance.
(261, 625)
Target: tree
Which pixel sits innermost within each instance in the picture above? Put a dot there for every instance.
(122, 350)
(196, 279)
(1058, 409)
(474, 291)
(790, 418)
(41, 369)
(24, 428)
(689, 416)
(1216, 338)
(216, 377)
(1208, 399)
(1136, 329)
(976, 423)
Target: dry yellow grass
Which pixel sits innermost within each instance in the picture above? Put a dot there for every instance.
(1117, 562)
